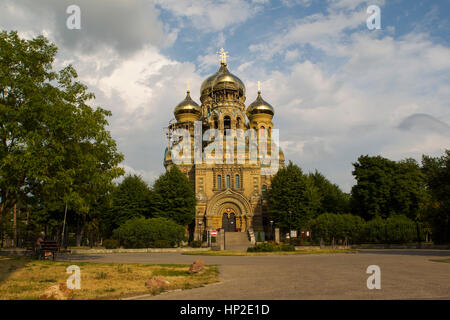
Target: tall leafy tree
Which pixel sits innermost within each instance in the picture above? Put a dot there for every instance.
(55, 150)
(437, 172)
(174, 197)
(132, 198)
(293, 198)
(385, 187)
(372, 191)
(334, 200)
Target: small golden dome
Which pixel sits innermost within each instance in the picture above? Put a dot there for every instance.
(260, 106)
(187, 106)
(222, 79)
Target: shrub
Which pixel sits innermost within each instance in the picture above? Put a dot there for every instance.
(375, 231)
(213, 239)
(328, 226)
(162, 244)
(196, 244)
(143, 233)
(111, 244)
(271, 247)
(287, 247)
(400, 229)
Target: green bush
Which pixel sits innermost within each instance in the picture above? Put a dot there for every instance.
(143, 233)
(196, 244)
(271, 247)
(287, 247)
(375, 231)
(400, 229)
(162, 244)
(213, 239)
(329, 226)
(111, 243)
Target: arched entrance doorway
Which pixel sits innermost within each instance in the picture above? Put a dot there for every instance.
(229, 221)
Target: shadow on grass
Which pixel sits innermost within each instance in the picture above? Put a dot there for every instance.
(10, 264)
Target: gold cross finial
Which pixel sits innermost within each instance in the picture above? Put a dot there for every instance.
(223, 56)
(259, 86)
(188, 86)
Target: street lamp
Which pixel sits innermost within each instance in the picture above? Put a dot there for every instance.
(271, 229)
(290, 220)
(200, 227)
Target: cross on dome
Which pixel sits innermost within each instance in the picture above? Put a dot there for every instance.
(188, 86)
(223, 55)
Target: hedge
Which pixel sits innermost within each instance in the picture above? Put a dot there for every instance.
(395, 229)
(149, 233)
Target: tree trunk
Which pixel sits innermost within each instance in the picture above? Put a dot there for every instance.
(79, 235)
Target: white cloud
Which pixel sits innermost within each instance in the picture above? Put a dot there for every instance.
(211, 15)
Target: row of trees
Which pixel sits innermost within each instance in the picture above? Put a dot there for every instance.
(329, 227)
(384, 189)
(56, 155)
(58, 162)
(172, 198)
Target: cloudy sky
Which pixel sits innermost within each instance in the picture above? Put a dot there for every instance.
(339, 89)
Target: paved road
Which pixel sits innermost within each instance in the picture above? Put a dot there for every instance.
(405, 274)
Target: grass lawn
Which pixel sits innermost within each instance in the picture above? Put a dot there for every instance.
(441, 260)
(243, 253)
(22, 278)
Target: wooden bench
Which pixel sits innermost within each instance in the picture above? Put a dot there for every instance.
(49, 246)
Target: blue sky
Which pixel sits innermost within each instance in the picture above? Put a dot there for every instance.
(339, 90)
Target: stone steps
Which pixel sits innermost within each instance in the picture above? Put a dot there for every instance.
(237, 241)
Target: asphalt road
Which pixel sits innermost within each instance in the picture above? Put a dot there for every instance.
(405, 274)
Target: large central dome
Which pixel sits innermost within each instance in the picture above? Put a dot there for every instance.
(222, 79)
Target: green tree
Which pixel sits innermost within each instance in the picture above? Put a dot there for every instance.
(293, 199)
(437, 213)
(130, 199)
(332, 197)
(174, 197)
(384, 188)
(55, 150)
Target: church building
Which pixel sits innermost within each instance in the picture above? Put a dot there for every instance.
(230, 194)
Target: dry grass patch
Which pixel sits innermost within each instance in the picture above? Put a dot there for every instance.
(24, 279)
(244, 253)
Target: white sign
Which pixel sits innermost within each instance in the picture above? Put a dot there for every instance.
(213, 233)
(293, 233)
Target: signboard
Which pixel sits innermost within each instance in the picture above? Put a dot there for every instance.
(293, 233)
(213, 233)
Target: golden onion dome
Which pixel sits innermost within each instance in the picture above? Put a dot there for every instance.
(222, 79)
(259, 106)
(187, 106)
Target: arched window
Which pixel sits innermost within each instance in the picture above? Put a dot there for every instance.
(226, 124)
(262, 132)
(236, 182)
(216, 123)
(219, 182)
(228, 181)
(238, 123)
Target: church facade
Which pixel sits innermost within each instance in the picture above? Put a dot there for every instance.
(218, 157)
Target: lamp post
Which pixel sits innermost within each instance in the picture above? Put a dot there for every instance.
(200, 227)
(290, 220)
(271, 230)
